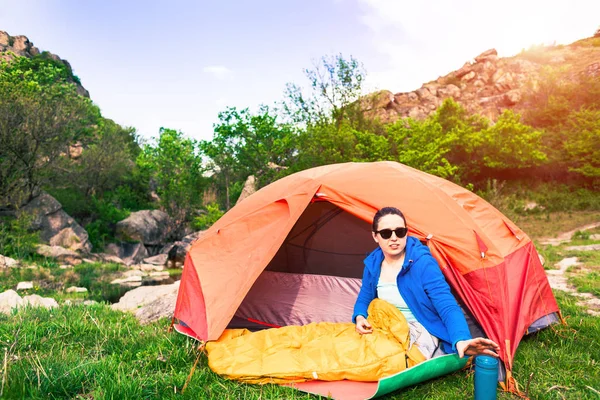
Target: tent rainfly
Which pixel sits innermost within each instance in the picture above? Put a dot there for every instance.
(292, 254)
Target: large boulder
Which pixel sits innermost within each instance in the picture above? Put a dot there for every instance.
(142, 296)
(151, 227)
(128, 253)
(55, 225)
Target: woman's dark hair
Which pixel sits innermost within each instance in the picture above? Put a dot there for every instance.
(386, 211)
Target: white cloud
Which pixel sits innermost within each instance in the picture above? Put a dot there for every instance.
(219, 71)
(422, 40)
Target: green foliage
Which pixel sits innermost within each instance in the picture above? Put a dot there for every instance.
(105, 164)
(204, 221)
(588, 283)
(509, 144)
(16, 240)
(37, 71)
(422, 145)
(105, 216)
(40, 116)
(580, 235)
(248, 144)
(582, 143)
(327, 144)
(175, 165)
(336, 86)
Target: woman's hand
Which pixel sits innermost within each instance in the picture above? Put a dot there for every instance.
(475, 347)
(363, 326)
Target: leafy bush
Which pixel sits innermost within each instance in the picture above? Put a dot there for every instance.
(106, 215)
(206, 220)
(16, 240)
(580, 235)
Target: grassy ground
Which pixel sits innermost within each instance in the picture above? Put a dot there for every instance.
(548, 225)
(93, 352)
(80, 352)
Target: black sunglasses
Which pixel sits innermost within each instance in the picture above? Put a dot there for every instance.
(387, 233)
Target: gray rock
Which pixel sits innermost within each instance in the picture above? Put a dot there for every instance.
(24, 285)
(162, 307)
(487, 55)
(134, 299)
(7, 262)
(75, 289)
(4, 39)
(589, 247)
(70, 238)
(151, 227)
(56, 225)
(160, 259)
(130, 281)
(129, 253)
(9, 299)
(134, 272)
(250, 186)
(59, 253)
(35, 300)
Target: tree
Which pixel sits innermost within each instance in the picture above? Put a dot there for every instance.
(582, 143)
(509, 144)
(37, 124)
(249, 144)
(40, 116)
(174, 163)
(336, 86)
(106, 160)
(422, 145)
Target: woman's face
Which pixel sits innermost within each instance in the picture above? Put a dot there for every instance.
(393, 246)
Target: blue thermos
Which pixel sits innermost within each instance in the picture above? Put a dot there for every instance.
(486, 377)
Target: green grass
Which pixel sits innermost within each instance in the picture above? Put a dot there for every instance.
(80, 352)
(50, 280)
(588, 283)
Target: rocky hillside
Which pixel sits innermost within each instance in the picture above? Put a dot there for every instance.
(489, 84)
(11, 46)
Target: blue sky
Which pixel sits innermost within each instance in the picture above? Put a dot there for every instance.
(176, 64)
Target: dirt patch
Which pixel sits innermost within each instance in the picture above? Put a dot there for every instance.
(557, 277)
(566, 236)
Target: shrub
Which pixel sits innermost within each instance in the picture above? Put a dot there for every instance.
(206, 220)
(16, 240)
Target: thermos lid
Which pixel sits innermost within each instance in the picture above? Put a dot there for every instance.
(486, 362)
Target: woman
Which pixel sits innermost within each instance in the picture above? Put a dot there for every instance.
(403, 272)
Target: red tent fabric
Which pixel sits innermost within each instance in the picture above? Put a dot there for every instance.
(317, 222)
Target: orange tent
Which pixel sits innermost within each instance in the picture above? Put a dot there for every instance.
(292, 253)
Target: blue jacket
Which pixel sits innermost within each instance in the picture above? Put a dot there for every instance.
(425, 291)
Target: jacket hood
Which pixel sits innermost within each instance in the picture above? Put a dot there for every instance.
(414, 250)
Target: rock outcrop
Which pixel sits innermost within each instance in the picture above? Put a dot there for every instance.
(150, 227)
(249, 188)
(12, 46)
(56, 226)
(487, 85)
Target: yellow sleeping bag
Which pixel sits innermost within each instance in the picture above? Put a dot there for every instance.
(325, 351)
